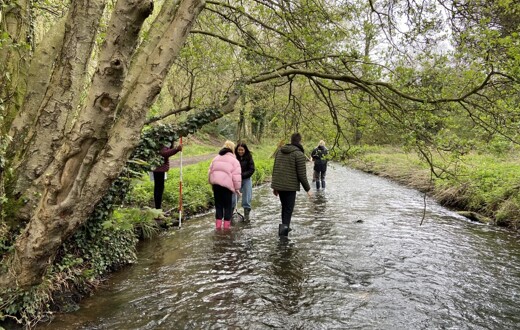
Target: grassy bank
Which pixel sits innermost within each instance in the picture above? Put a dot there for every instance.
(486, 187)
(197, 194)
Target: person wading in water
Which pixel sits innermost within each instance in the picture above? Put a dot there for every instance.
(289, 171)
(247, 165)
(320, 164)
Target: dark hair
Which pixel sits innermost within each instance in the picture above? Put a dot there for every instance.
(247, 153)
(296, 138)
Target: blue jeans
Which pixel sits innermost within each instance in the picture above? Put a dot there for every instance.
(247, 194)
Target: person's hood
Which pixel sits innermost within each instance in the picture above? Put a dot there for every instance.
(224, 151)
(289, 148)
(322, 148)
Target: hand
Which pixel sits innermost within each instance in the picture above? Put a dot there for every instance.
(179, 147)
(238, 193)
(309, 194)
(275, 192)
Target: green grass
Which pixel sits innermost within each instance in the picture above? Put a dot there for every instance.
(479, 183)
(197, 194)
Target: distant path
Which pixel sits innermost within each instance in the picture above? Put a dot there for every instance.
(175, 161)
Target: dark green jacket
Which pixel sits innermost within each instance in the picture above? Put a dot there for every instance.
(289, 169)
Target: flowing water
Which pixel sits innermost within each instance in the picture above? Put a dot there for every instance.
(357, 258)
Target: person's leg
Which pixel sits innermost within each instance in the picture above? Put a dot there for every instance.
(247, 194)
(234, 201)
(316, 178)
(158, 188)
(219, 205)
(288, 199)
(323, 173)
(227, 199)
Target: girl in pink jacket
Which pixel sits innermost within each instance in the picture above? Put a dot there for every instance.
(226, 178)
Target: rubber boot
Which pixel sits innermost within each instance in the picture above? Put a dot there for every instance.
(227, 224)
(246, 214)
(317, 184)
(218, 224)
(323, 184)
(283, 230)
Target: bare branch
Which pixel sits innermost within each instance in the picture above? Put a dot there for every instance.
(168, 114)
(232, 42)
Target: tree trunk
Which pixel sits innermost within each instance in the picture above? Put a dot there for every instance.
(95, 149)
(16, 23)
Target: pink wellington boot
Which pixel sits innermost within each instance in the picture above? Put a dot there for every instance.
(227, 224)
(218, 224)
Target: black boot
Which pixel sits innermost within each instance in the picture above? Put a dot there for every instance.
(246, 214)
(317, 184)
(283, 230)
(323, 184)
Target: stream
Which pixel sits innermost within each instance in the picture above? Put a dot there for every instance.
(357, 258)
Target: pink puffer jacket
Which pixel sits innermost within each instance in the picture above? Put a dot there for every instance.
(225, 171)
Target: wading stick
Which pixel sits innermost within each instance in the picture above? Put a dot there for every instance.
(180, 191)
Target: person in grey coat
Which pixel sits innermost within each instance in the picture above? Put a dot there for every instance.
(289, 172)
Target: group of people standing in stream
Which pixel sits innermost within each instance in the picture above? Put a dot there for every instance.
(230, 174)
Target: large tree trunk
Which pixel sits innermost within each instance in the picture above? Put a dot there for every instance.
(87, 154)
(15, 21)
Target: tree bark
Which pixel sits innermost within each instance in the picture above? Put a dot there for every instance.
(106, 130)
(44, 125)
(16, 23)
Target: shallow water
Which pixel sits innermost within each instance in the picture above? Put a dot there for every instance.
(357, 258)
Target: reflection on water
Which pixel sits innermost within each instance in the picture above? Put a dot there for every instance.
(357, 258)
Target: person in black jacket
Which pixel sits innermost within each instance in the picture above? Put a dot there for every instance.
(247, 165)
(320, 164)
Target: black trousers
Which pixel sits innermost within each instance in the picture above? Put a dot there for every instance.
(288, 199)
(158, 188)
(223, 202)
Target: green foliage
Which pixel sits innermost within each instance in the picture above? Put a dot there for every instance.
(481, 183)
(499, 146)
(222, 127)
(487, 183)
(263, 170)
(131, 219)
(197, 192)
(30, 306)
(146, 155)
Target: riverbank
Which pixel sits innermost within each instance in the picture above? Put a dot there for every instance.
(484, 188)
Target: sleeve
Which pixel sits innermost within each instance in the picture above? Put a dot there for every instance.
(301, 170)
(314, 155)
(210, 169)
(237, 175)
(167, 152)
(250, 169)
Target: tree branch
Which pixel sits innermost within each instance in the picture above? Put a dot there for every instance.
(232, 42)
(168, 114)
